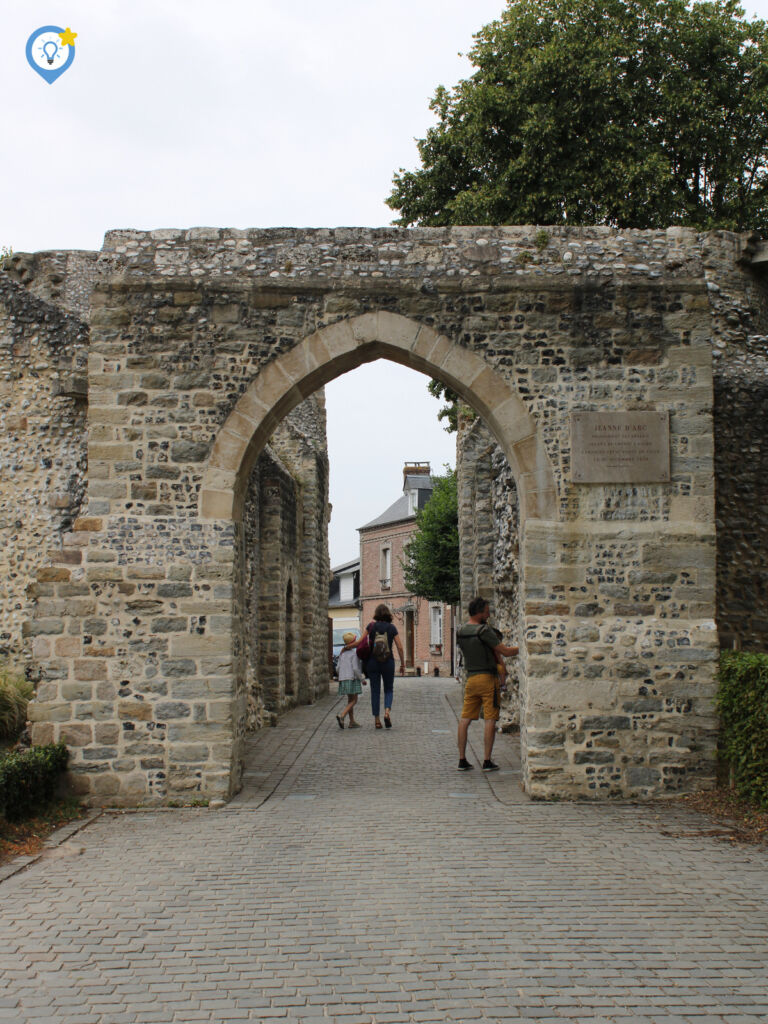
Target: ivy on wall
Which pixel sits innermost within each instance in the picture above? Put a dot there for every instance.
(743, 704)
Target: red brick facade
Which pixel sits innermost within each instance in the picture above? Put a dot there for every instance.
(419, 622)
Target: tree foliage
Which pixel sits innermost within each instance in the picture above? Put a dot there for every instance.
(431, 557)
(450, 411)
(632, 113)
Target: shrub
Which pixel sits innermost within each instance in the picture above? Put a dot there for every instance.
(28, 779)
(743, 703)
(15, 694)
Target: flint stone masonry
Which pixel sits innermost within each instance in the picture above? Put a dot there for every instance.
(489, 541)
(43, 353)
(203, 340)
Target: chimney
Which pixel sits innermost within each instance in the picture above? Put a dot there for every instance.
(416, 469)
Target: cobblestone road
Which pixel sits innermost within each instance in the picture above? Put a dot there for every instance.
(360, 878)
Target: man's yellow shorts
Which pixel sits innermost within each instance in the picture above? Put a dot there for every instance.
(482, 691)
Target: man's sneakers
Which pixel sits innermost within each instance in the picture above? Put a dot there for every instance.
(488, 766)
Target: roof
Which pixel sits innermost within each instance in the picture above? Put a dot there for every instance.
(398, 511)
(417, 483)
(354, 564)
(395, 512)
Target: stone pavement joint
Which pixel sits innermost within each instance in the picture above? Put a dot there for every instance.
(381, 897)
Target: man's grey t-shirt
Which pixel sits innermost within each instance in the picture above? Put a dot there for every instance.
(477, 641)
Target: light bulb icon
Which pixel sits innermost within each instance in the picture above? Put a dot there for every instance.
(50, 49)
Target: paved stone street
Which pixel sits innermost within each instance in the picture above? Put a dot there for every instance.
(360, 878)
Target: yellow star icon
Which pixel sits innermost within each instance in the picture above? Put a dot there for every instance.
(67, 37)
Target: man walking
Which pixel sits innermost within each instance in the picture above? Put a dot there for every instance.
(482, 651)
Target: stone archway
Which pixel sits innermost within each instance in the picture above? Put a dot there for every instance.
(201, 342)
(342, 346)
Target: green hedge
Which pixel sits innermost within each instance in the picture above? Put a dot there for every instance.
(743, 703)
(28, 779)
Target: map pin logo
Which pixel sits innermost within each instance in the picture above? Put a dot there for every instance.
(50, 51)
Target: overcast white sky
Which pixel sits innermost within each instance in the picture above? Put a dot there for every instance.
(239, 113)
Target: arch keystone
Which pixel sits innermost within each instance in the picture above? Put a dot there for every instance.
(365, 328)
(396, 330)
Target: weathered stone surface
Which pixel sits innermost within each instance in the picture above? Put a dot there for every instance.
(202, 342)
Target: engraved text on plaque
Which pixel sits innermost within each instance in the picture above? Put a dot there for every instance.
(620, 447)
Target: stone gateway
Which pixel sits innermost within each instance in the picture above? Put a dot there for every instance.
(179, 528)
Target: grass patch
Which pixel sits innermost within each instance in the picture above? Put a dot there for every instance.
(26, 838)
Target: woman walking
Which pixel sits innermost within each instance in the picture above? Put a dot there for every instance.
(380, 667)
(350, 679)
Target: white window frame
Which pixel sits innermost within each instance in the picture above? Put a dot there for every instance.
(436, 624)
(385, 566)
(346, 588)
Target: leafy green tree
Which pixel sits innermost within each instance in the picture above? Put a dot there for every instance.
(632, 113)
(431, 557)
(450, 411)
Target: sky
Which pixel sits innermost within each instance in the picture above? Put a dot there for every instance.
(240, 113)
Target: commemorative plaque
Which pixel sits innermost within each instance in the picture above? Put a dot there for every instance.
(620, 447)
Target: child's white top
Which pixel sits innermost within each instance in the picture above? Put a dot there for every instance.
(348, 666)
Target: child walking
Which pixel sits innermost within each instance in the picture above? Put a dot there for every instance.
(350, 678)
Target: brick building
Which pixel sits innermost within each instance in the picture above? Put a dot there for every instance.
(425, 627)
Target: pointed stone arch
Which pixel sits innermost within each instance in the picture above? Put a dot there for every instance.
(320, 357)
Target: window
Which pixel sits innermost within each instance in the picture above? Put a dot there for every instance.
(346, 589)
(385, 567)
(436, 625)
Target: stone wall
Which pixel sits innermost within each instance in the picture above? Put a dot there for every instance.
(43, 352)
(286, 566)
(489, 540)
(203, 340)
(132, 703)
(739, 297)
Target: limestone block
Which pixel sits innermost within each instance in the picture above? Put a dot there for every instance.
(41, 733)
(75, 734)
(50, 711)
(135, 710)
(424, 343)
(193, 646)
(462, 366)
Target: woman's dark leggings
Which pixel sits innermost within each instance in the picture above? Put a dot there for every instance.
(381, 672)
